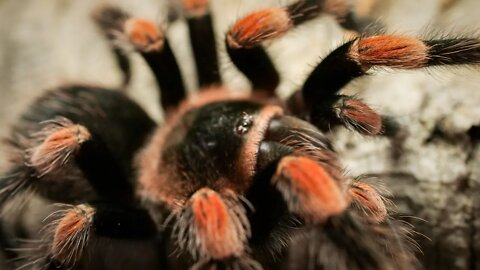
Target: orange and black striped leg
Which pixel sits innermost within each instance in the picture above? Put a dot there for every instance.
(348, 111)
(244, 39)
(97, 237)
(332, 228)
(244, 47)
(202, 39)
(48, 163)
(77, 143)
(152, 44)
(55, 145)
(213, 229)
(148, 39)
(61, 147)
(268, 24)
(319, 94)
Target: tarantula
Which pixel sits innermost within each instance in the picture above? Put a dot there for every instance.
(229, 181)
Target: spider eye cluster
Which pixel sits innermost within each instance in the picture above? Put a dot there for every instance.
(243, 125)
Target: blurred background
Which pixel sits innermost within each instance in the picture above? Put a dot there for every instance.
(433, 171)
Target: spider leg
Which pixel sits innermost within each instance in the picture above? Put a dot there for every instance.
(54, 148)
(202, 40)
(340, 219)
(87, 139)
(110, 21)
(268, 24)
(150, 41)
(213, 228)
(154, 47)
(103, 172)
(257, 66)
(332, 227)
(100, 236)
(319, 101)
(244, 39)
(248, 34)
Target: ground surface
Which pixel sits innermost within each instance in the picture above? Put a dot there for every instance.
(434, 173)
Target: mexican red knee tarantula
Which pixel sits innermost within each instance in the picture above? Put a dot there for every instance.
(228, 181)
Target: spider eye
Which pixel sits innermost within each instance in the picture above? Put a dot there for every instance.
(242, 126)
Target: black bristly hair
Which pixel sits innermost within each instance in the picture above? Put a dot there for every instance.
(118, 127)
(256, 65)
(150, 41)
(228, 181)
(95, 236)
(203, 42)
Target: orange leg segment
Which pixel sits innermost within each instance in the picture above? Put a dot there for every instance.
(308, 189)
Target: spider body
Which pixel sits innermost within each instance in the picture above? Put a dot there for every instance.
(228, 181)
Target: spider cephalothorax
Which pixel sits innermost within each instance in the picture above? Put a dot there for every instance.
(213, 145)
(228, 181)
